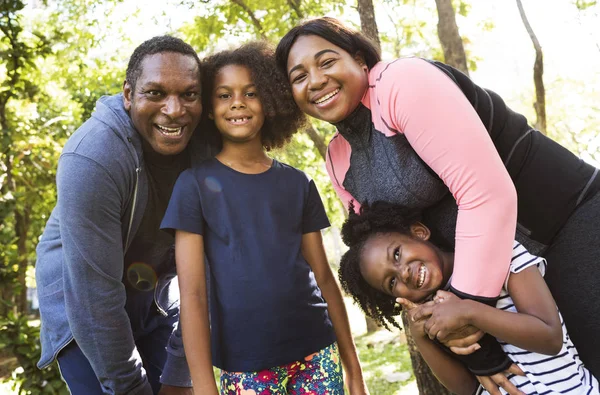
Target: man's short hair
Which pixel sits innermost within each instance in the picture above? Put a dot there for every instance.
(158, 44)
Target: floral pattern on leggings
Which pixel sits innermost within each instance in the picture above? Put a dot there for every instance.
(317, 374)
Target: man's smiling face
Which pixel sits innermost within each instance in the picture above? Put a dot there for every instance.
(165, 103)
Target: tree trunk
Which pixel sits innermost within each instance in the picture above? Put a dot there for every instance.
(372, 325)
(538, 73)
(21, 230)
(367, 21)
(427, 383)
(454, 51)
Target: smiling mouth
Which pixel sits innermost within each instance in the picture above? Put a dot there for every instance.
(421, 278)
(327, 97)
(169, 132)
(238, 121)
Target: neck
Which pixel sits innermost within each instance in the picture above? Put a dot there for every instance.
(159, 159)
(247, 157)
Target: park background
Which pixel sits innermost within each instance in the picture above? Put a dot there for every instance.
(57, 57)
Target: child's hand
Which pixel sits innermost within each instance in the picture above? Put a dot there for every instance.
(443, 320)
(411, 308)
(406, 304)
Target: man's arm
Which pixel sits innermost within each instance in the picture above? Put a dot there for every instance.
(89, 207)
(314, 253)
(175, 378)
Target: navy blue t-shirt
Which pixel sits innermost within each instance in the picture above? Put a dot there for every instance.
(266, 309)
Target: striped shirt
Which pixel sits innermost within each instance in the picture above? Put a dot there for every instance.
(563, 373)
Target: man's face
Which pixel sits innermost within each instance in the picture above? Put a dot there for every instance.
(165, 104)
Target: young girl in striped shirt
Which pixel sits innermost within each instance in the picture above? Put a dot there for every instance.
(392, 259)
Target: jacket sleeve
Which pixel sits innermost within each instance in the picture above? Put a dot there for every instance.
(446, 132)
(176, 371)
(89, 206)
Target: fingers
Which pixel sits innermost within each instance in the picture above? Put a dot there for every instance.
(489, 385)
(423, 311)
(504, 383)
(515, 369)
(465, 350)
(465, 341)
(406, 304)
(492, 384)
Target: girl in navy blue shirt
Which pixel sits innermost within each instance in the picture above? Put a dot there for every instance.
(277, 318)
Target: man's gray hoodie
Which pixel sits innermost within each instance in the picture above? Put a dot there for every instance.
(102, 193)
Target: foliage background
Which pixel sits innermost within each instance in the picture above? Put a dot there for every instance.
(58, 57)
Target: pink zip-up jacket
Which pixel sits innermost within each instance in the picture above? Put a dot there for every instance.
(413, 97)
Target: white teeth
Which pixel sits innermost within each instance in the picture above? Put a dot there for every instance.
(327, 97)
(238, 120)
(421, 276)
(169, 131)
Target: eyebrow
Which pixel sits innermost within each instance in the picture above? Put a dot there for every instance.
(158, 85)
(317, 55)
(228, 87)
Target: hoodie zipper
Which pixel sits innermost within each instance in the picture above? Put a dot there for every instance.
(135, 192)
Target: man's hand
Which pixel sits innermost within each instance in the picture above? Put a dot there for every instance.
(172, 390)
(493, 383)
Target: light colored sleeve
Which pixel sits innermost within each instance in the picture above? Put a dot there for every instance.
(337, 164)
(445, 131)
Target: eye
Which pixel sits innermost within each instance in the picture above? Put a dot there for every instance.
(154, 93)
(328, 63)
(397, 254)
(392, 284)
(224, 96)
(251, 94)
(299, 78)
(191, 95)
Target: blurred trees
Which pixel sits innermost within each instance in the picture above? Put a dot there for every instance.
(58, 57)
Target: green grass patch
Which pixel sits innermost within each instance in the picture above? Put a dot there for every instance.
(385, 361)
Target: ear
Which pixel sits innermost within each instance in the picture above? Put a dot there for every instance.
(420, 231)
(360, 59)
(127, 95)
(211, 116)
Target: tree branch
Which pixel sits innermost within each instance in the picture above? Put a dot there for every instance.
(538, 73)
(250, 13)
(295, 5)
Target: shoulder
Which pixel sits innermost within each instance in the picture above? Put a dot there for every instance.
(522, 259)
(405, 68)
(107, 137)
(407, 75)
(291, 171)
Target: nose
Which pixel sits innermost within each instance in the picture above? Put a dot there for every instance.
(316, 80)
(237, 102)
(173, 107)
(404, 273)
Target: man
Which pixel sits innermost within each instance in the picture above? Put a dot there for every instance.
(108, 305)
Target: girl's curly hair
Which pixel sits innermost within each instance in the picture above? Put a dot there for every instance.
(380, 217)
(283, 118)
